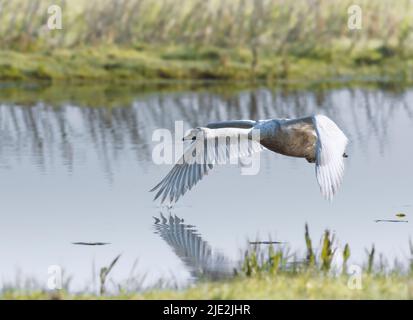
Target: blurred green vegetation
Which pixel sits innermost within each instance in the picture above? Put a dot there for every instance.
(138, 40)
(302, 286)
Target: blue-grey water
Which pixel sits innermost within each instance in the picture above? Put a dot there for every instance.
(76, 165)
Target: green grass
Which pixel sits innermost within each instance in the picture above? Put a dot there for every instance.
(300, 286)
(118, 65)
(141, 40)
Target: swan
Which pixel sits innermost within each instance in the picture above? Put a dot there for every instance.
(316, 138)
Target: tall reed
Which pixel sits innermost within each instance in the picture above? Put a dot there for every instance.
(300, 27)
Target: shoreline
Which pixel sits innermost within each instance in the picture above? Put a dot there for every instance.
(115, 65)
(282, 286)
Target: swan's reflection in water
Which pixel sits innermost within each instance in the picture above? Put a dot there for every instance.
(202, 261)
(205, 263)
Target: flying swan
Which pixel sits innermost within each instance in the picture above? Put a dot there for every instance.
(317, 139)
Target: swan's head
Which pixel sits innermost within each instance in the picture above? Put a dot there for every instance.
(193, 134)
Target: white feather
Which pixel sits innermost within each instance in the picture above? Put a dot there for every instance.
(214, 146)
(331, 144)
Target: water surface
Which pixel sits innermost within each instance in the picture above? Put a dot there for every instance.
(76, 165)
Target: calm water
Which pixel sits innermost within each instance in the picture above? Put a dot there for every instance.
(76, 165)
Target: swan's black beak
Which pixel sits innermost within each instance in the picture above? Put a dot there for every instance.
(345, 155)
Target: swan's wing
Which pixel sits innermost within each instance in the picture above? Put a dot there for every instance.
(242, 124)
(191, 249)
(216, 147)
(330, 147)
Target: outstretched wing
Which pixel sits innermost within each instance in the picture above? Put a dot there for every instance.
(214, 146)
(330, 147)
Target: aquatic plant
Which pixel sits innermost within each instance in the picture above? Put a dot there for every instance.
(370, 259)
(104, 272)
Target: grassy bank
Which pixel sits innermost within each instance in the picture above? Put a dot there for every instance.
(116, 64)
(303, 286)
(141, 40)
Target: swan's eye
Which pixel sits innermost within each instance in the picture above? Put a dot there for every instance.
(193, 138)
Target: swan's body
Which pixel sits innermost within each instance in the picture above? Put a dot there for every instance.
(317, 139)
